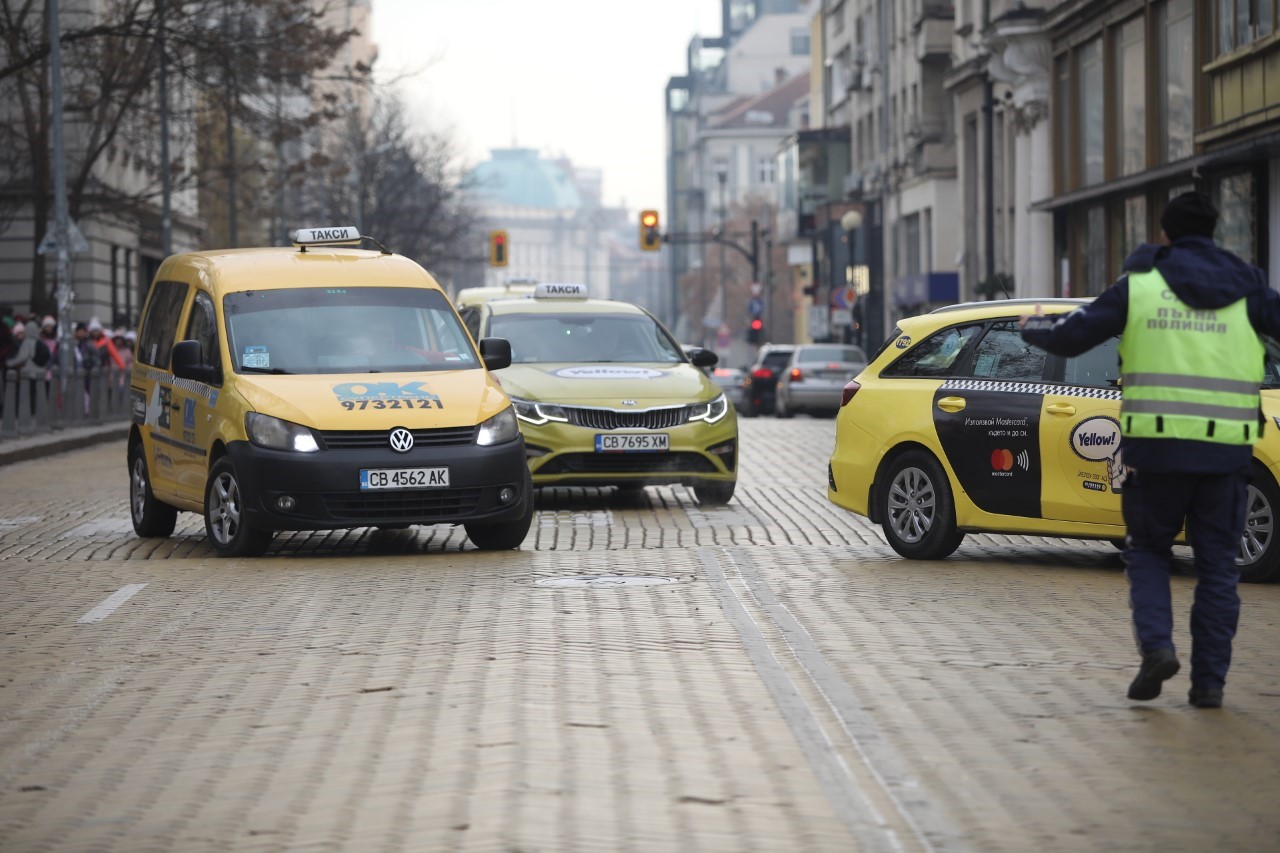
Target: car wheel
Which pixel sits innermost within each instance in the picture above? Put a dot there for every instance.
(504, 535)
(1259, 558)
(151, 517)
(917, 509)
(714, 494)
(224, 521)
(781, 408)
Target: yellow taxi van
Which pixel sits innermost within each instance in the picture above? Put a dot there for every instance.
(317, 387)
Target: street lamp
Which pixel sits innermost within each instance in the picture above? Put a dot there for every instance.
(722, 175)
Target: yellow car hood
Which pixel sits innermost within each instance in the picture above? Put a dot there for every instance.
(607, 384)
(376, 401)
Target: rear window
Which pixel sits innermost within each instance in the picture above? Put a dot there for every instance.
(810, 355)
(777, 359)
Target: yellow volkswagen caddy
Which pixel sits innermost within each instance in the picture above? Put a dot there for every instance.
(607, 397)
(957, 426)
(318, 387)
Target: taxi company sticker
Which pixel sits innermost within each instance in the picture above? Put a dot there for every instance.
(607, 371)
(903, 342)
(1097, 439)
(256, 356)
(385, 395)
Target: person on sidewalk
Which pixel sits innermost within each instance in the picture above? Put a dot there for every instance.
(1191, 363)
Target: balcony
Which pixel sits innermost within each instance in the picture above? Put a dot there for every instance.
(933, 38)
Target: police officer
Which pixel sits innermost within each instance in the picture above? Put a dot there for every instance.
(1191, 364)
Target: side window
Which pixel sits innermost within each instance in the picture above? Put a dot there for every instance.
(161, 323)
(935, 355)
(471, 319)
(203, 327)
(1002, 354)
(1099, 367)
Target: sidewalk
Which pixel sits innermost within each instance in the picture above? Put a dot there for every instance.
(48, 442)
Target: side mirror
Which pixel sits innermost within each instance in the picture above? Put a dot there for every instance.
(704, 358)
(495, 353)
(187, 361)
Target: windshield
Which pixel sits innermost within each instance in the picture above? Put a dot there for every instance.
(345, 330)
(540, 338)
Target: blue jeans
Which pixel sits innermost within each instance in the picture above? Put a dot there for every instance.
(1156, 505)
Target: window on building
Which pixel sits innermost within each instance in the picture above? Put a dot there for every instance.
(799, 42)
(1061, 106)
(1239, 22)
(766, 170)
(1134, 228)
(1177, 69)
(1130, 102)
(911, 227)
(1090, 105)
(1237, 227)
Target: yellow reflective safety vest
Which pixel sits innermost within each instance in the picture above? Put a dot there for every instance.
(1186, 372)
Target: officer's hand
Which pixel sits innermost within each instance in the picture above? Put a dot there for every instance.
(1022, 321)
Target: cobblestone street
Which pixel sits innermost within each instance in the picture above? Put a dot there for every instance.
(644, 674)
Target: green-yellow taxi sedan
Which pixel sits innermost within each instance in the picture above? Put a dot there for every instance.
(605, 396)
(958, 426)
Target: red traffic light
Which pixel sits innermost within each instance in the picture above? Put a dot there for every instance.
(649, 219)
(757, 324)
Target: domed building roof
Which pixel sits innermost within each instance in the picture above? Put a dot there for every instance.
(519, 177)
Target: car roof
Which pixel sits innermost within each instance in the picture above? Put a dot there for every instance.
(996, 307)
(281, 267)
(529, 305)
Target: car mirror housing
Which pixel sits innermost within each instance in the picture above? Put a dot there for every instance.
(187, 361)
(495, 352)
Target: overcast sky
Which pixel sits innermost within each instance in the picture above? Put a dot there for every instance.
(582, 78)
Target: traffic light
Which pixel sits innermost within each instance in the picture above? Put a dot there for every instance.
(497, 248)
(755, 331)
(650, 236)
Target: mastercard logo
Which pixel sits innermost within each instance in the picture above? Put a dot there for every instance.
(1002, 460)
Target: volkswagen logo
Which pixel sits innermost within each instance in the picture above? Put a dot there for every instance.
(401, 440)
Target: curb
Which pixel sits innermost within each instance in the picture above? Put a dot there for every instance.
(27, 448)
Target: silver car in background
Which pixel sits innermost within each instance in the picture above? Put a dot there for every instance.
(815, 376)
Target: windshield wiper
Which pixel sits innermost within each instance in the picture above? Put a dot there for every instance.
(272, 370)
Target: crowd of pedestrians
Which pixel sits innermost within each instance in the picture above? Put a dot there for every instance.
(29, 353)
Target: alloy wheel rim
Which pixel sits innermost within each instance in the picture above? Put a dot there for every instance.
(224, 510)
(1259, 523)
(912, 505)
(139, 488)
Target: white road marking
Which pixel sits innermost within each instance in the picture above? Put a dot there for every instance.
(106, 608)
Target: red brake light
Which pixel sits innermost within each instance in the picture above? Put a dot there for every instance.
(796, 375)
(833, 365)
(847, 394)
(762, 373)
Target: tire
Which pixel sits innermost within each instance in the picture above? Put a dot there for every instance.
(504, 535)
(224, 522)
(1259, 557)
(917, 508)
(151, 517)
(780, 407)
(714, 494)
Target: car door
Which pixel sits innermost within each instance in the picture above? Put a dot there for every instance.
(987, 416)
(192, 402)
(153, 383)
(1080, 434)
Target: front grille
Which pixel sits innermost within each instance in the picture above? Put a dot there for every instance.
(666, 418)
(381, 438)
(629, 463)
(407, 505)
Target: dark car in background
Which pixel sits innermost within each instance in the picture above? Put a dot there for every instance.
(762, 378)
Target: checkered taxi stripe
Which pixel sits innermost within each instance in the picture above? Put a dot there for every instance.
(1093, 392)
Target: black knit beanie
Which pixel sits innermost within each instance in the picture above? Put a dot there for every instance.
(1189, 215)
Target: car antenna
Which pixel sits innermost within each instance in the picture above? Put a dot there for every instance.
(999, 280)
(384, 249)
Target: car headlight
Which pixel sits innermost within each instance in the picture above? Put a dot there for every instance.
(537, 413)
(711, 411)
(499, 429)
(266, 431)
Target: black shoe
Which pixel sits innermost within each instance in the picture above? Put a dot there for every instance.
(1159, 666)
(1205, 697)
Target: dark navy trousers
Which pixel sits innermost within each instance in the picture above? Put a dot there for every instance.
(1156, 505)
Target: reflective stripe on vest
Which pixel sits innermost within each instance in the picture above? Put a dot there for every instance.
(1188, 373)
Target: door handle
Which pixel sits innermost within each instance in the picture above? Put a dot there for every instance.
(1060, 409)
(951, 404)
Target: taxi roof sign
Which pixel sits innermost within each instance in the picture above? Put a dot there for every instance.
(326, 236)
(548, 290)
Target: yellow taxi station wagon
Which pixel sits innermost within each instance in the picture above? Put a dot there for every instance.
(316, 387)
(957, 425)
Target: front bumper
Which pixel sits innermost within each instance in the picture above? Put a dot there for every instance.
(326, 486)
(564, 455)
